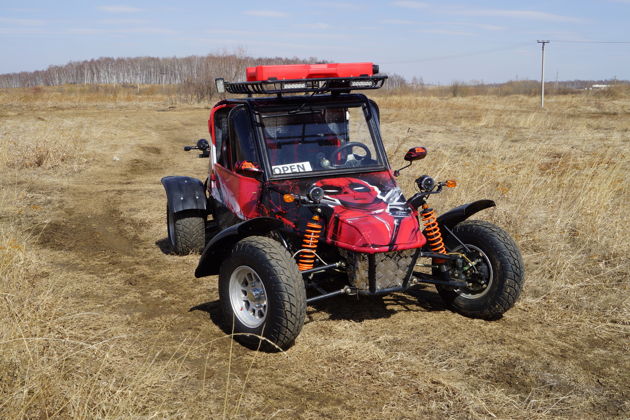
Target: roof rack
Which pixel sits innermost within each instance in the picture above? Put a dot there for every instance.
(314, 85)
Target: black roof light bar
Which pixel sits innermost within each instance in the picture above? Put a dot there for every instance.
(314, 85)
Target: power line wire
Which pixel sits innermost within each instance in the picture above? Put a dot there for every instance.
(590, 42)
(446, 57)
(481, 52)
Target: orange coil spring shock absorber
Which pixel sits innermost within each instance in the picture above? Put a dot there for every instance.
(306, 260)
(432, 230)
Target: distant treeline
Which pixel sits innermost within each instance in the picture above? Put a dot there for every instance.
(513, 87)
(143, 70)
(193, 77)
(193, 74)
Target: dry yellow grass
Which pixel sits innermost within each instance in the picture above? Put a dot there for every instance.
(96, 320)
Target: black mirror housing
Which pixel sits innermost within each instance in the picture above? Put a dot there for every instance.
(415, 153)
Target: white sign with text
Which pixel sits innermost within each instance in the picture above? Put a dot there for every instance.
(291, 168)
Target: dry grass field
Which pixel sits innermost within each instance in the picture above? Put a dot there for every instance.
(99, 321)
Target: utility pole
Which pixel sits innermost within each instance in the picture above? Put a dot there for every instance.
(542, 73)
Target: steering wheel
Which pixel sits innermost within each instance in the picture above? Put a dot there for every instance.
(352, 160)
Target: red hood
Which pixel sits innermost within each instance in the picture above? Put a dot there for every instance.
(366, 220)
(367, 214)
(368, 231)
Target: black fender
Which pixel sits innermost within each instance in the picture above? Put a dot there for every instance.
(185, 193)
(463, 212)
(221, 244)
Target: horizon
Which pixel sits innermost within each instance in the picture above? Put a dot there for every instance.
(407, 79)
(488, 42)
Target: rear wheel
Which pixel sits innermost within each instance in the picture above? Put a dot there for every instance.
(493, 269)
(186, 231)
(262, 294)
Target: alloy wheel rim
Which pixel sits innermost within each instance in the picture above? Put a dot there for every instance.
(481, 261)
(248, 296)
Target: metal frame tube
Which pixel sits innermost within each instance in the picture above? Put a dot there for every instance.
(321, 268)
(345, 291)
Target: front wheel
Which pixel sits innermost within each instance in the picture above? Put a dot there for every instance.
(493, 269)
(262, 294)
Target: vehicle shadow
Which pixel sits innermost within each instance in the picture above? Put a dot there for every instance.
(351, 308)
(361, 308)
(213, 310)
(428, 299)
(165, 246)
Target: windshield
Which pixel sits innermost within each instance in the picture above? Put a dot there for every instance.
(319, 140)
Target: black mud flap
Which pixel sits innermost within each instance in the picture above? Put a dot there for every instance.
(221, 244)
(185, 193)
(463, 212)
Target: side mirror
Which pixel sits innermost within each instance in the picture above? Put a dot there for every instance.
(202, 144)
(416, 153)
(248, 168)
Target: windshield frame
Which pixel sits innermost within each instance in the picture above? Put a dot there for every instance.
(370, 113)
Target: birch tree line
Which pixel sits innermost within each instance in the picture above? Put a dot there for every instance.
(144, 70)
(193, 76)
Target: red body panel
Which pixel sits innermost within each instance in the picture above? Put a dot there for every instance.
(367, 219)
(240, 194)
(308, 71)
(211, 122)
(370, 233)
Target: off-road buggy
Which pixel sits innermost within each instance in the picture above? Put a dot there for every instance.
(300, 204)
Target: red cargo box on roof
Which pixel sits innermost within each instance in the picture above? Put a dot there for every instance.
(310, 71)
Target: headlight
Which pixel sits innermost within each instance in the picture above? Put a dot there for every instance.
(316, 194)
(425, 183)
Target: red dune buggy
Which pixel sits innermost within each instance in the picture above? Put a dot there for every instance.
(300, 197)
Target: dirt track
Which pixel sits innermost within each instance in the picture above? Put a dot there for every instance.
(397, 357)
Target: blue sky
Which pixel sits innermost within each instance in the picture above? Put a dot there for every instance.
(440, 41)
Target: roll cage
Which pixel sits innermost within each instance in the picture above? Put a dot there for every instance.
(255, 107)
